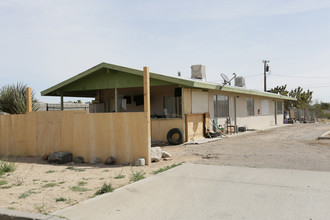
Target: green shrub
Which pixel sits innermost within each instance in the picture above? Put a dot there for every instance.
(106, 188)
(136, 176)
(5, 166)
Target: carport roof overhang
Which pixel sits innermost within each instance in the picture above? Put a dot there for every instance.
(109, 76)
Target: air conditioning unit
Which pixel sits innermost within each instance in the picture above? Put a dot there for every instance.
(198, 72)
(240, 81)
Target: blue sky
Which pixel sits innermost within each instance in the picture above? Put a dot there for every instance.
(44, 42)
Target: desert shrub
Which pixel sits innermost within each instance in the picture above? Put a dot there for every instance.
(106, 188)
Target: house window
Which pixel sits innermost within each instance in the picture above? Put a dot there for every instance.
(279, 107)
(264, 107)
(172, 107)
(250, 106)
(221, 106)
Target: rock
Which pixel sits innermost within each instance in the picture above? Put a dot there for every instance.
(167, 159)
(140, 162)
(78, 160)
(60, 157)
(95, 160)
(166, 154)
(45, 157)
(156, 154)
(110, 161)
(125, 163)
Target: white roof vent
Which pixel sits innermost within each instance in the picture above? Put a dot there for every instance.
(240, 81)
(198, 72)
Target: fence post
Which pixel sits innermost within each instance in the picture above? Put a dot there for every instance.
(28, 100)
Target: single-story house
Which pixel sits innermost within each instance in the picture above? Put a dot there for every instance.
(175, 102)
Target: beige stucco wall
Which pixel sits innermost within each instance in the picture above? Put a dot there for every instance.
(160, 127)
(122, 135)
(257, 121)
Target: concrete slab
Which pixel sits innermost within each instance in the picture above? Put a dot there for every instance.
(326, 135)
(193, 191)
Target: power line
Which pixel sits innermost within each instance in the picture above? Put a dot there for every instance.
(253, 75)
(307, 77)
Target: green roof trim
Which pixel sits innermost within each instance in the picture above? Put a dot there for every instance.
(88, 82)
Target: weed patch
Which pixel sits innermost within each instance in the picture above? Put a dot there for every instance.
(106, 188)
(50, 171)
(27, 194)
(167, 168)
(82, 183)
(79, 189)
(61, 199)
(41, 208)
(5, 166)
(119, 176)
(48, 185)
(75, 169)
(136, 176)
(3, 182)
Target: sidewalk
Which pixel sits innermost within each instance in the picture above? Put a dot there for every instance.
(194, 191)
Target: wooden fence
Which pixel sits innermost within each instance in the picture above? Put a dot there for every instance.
(121, 135)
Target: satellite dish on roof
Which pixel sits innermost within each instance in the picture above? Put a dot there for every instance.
(226, 79)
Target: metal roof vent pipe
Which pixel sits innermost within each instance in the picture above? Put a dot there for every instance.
(198, 72)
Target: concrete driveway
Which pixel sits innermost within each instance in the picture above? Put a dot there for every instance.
(196, 191)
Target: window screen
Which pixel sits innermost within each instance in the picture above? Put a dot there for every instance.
(250, 106)
(279, 107)
(221, 106)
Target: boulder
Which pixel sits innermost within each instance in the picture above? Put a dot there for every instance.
(45, 157)
(60, 157)
(78, 160)
(110, 161)
(95, 160)
(156, 154)
(140, 162)
(166, 154)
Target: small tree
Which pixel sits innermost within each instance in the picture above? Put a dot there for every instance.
(13, 99)
(280, 90)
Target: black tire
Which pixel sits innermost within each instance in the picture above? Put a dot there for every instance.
(170, 136)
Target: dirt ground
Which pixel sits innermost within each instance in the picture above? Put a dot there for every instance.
(37, 186)
(289, 147)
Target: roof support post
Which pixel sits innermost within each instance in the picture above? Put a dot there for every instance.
(235, 112)
(62, 103)
(146, 93)
(182, 112)
(275, 111)
(116, 100)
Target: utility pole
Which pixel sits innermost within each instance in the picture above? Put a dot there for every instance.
(266, 69)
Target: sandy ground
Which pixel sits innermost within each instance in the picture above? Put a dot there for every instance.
(35, 185)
